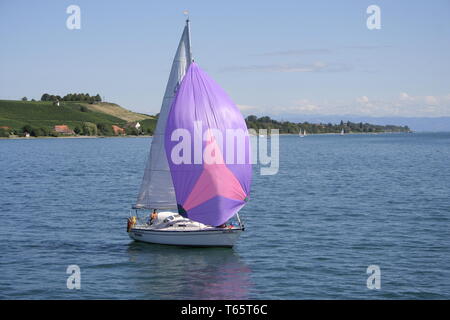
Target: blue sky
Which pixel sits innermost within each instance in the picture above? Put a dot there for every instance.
(281, 58)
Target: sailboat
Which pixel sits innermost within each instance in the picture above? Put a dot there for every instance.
(302, 135)
(342, 132)
(192, 203)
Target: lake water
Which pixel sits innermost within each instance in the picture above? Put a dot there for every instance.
(337, 205)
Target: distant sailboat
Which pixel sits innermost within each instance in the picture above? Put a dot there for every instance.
(192, 202)
(302, 135)
(342, 132)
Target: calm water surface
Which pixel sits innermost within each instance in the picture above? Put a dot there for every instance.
(337, 205)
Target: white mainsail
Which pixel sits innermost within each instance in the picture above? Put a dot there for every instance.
(157, 190)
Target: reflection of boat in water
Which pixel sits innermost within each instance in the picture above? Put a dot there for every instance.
(164, 272)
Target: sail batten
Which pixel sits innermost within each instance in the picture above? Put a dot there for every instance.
(157, 190)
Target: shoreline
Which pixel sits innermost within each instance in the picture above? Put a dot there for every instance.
(72, 137)
(148, 136)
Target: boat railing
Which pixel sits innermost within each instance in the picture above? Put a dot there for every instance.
(140, 219)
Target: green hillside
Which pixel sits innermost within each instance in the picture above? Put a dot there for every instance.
(148, 125)
(45, 115)
(13, 113)
(116, 111)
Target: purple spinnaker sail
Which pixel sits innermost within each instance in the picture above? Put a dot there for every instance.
(208, 150)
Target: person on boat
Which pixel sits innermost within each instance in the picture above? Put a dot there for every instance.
(153, 217)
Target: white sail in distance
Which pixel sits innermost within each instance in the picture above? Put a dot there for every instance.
(157, 191)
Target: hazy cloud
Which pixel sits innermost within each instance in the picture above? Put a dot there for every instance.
(430, 100)
(301, 52)
(405, 97)
(247, 109)
(368, 47)
(298, 52)
(363, 99)
(312, 67)
(404, 104)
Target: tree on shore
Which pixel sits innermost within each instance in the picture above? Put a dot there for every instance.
(104, 129)
(36, 131)
(48, 97)
(89, 129)
(4, 133)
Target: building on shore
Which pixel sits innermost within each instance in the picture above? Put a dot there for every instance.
(118, 130)
(63, 129)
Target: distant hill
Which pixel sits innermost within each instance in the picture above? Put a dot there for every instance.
(289, 127)
(45, 113)
(414, 123)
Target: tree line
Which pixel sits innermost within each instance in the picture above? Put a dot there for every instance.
(253, 122)
(81, 129)
(80, 97)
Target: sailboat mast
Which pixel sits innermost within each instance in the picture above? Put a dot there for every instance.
(188, 26)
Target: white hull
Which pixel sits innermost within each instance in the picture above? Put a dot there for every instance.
(201, 238)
